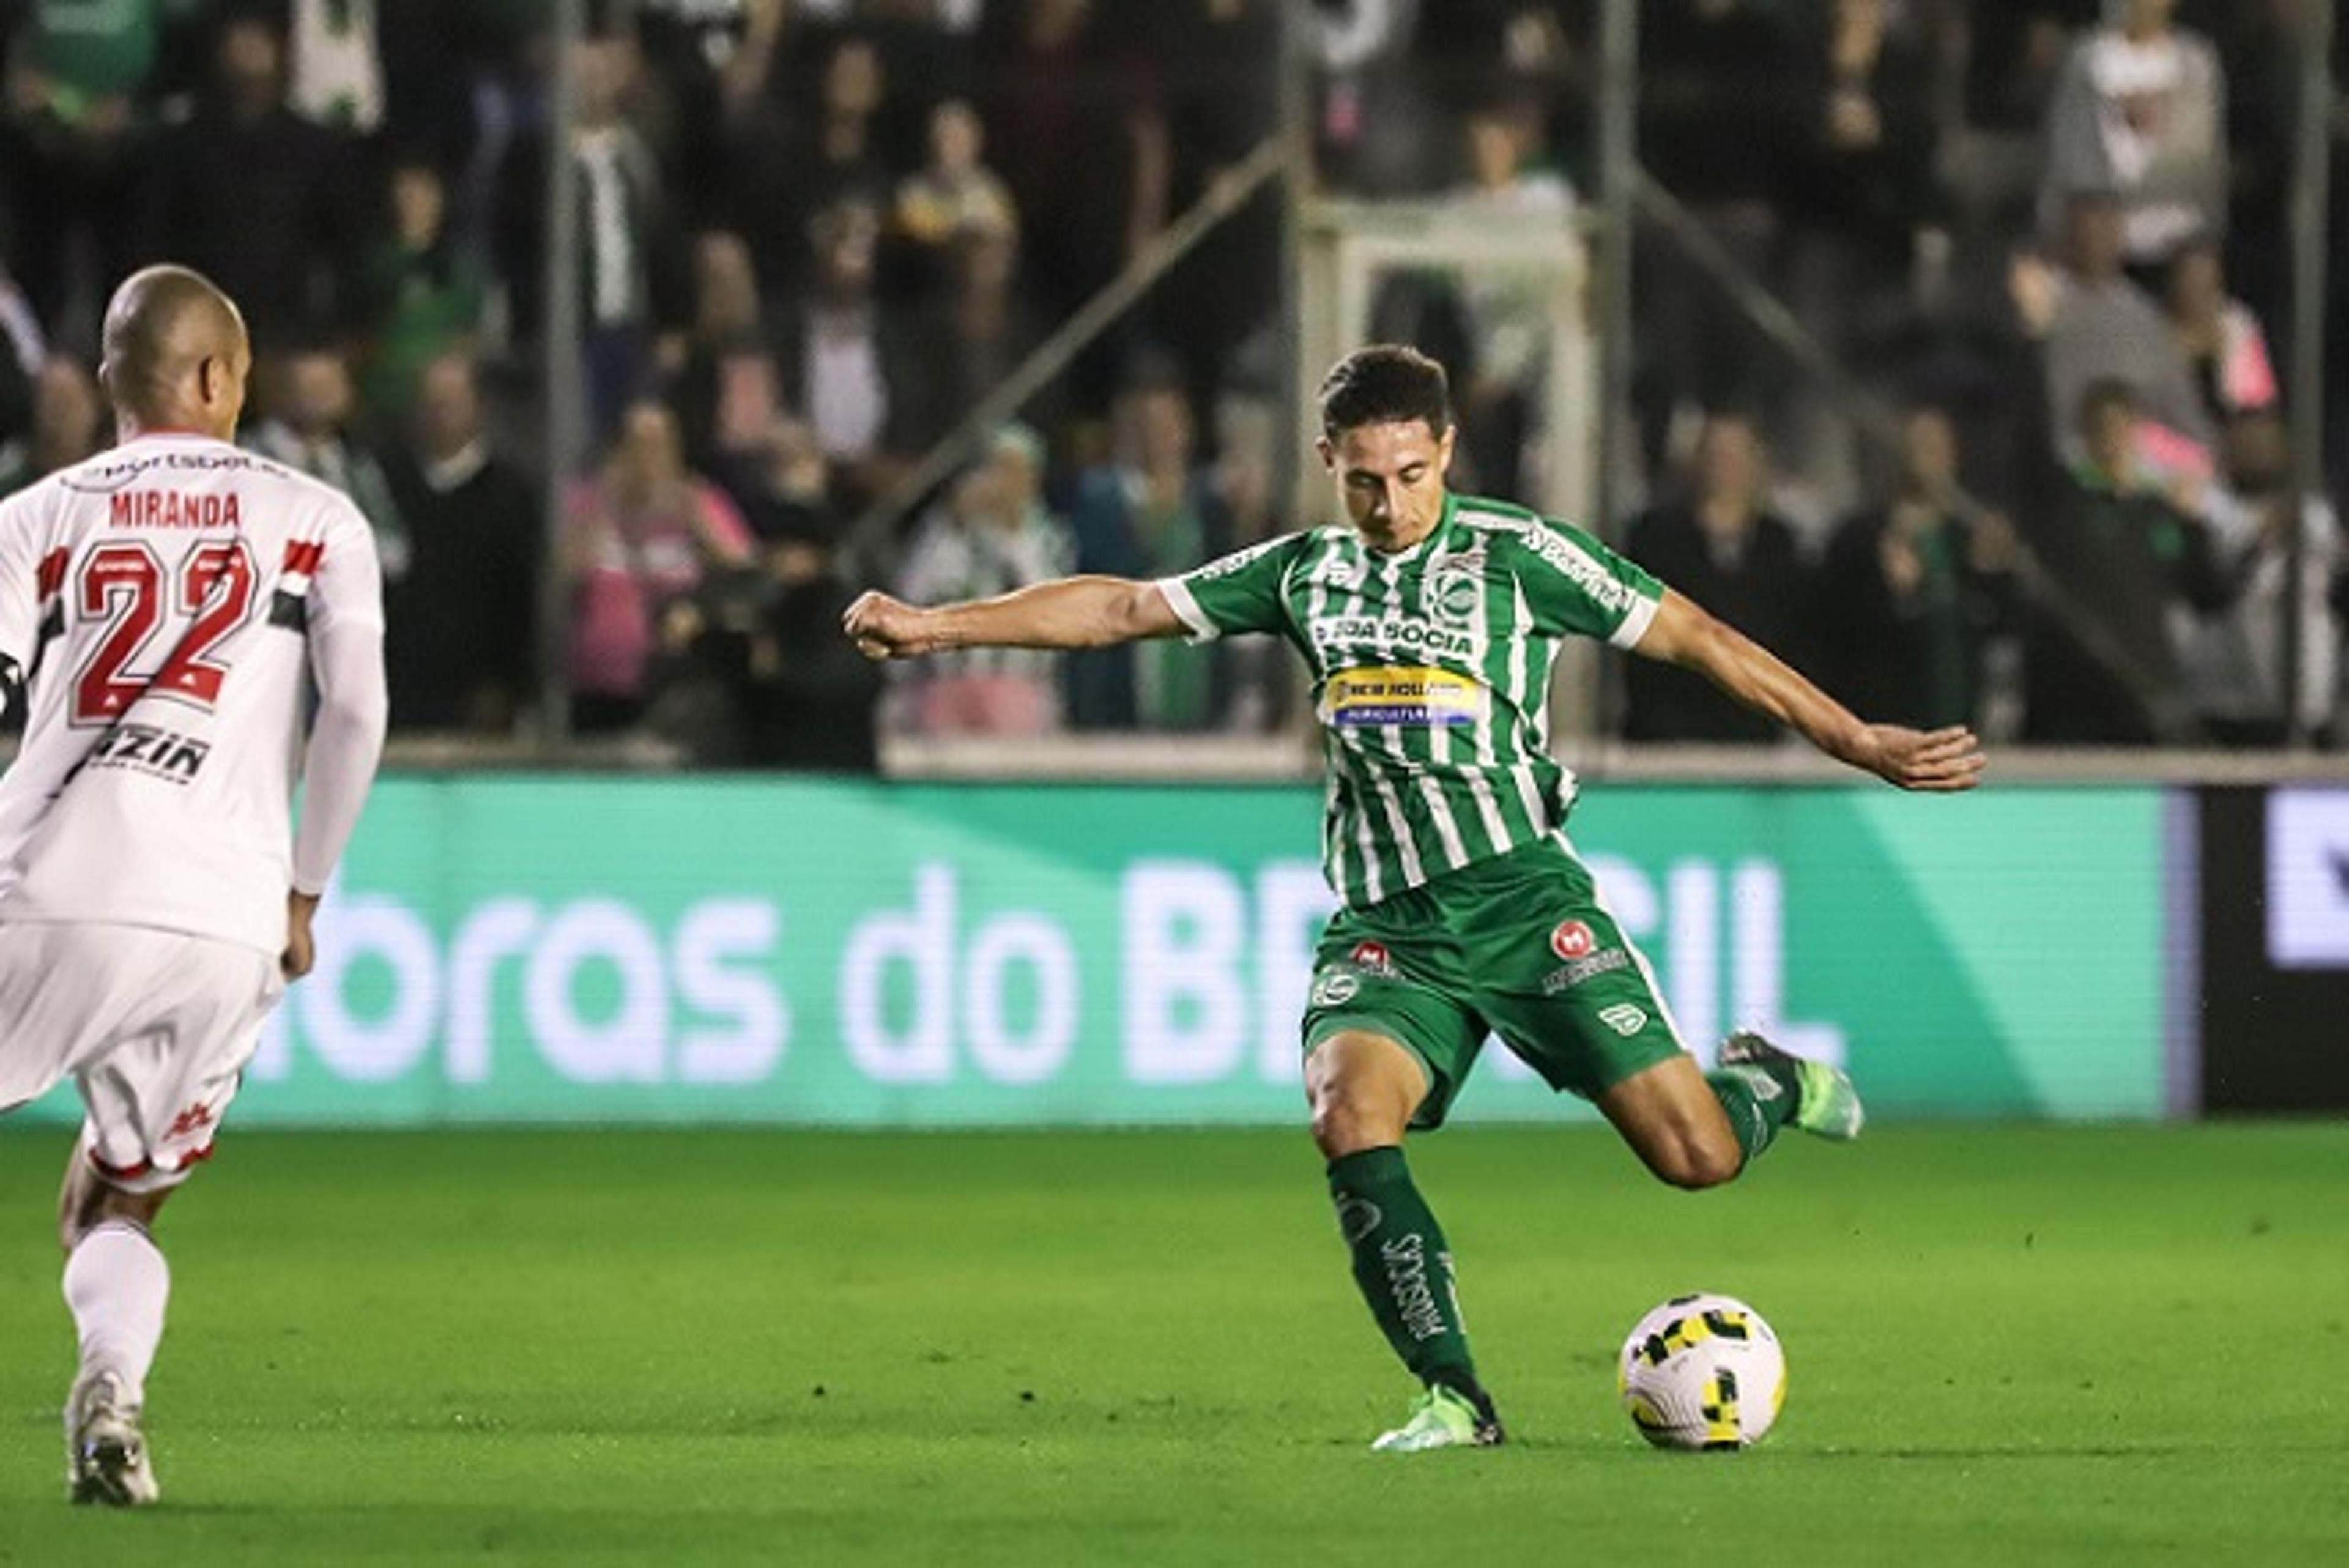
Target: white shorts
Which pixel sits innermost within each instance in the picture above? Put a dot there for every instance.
(153, 1026)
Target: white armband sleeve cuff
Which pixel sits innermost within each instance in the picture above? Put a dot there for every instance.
(1186, 607)
(1635, 624)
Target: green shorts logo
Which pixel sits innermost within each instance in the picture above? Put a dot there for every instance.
(1623, 1018)
(1335, 989)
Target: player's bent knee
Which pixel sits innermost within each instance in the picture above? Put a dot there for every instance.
(90, 1200)
(1694, 1164)
(1344, 1125)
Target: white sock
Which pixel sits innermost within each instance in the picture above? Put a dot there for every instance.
(116, 1285)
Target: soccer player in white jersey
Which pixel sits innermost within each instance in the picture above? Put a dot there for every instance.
(1429, 622)
(166, 610)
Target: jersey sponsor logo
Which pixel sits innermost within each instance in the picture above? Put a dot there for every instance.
(1623, 1018)
(1604, 588)
(1576, 970)
(1373, 958)
(173, 509)
(1571, 940)
(1237, 561)
(1338, 573)
(1335, 989)
(1405, 634)
(1392, 694)
(99, 478)
(148, 749)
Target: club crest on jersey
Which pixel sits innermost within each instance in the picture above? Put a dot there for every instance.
(1371, 958)
(1571, 940)
(1455, 595)
(1335, 989)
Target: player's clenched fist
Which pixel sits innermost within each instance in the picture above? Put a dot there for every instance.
(884, 627)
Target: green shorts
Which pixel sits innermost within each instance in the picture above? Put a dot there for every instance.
(1516, 946)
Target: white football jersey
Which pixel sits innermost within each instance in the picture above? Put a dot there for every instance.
(160, 599)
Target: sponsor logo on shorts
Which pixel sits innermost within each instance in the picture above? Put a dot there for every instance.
(1572, 939)
(1371, 958)
(1335, 989)
(1357, 1218)
(1567, 978)
(1623, 1018)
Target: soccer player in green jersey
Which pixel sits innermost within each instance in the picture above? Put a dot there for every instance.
(1431, 621)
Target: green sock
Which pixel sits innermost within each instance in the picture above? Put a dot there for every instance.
(1759, 1099)
(1404, 1266)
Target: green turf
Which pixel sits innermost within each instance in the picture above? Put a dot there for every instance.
(2007, 1346)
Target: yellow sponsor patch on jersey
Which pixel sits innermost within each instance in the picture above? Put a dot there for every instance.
(1400, 694)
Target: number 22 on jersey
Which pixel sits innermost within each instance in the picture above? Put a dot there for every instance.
(123, 594)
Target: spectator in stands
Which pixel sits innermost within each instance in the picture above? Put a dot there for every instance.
(974, 332)
(623, 233)
(2105, 328)
(2141, 112)
(990, 534)
(253, 195)
(729, 389)
(1724, 549)
(335, 73)
(1911, 592)
(419, 294)
(797, 154)
(845, 361)
(1507, 312)
(2122, 556)
(2234, 662)
(68, 425)
(954, 194)
(804, 698)
(1078, 123)
(2224, 349)
(1138, 516)
(308, 428)
(24, 349)
(1860, 195)
(460, 624)
(644, 533)
(787, 493)
(1718, 128)
(77, 100)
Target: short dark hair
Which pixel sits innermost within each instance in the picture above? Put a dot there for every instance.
(1386, 383)
(2106, 392)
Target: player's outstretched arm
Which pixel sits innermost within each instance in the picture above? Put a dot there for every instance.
(1068, 612)
(1684, 634)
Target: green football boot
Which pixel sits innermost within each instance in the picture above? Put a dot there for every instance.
(1826, 1103)
(1442, 1419)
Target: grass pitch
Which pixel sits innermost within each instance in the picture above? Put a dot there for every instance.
(2006, 1346)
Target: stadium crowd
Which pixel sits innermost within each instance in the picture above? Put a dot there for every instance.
(813, 234)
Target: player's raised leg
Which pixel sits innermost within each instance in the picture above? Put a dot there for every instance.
(116, 1285)
(1363, 1088)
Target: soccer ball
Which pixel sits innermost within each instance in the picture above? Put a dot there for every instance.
(1702, 1372)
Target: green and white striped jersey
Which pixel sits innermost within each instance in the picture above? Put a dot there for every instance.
(1430, 675)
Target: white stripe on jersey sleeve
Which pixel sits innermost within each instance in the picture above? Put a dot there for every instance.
(1186, 607)
(1641, 614)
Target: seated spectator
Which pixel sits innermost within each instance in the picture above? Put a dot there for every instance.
(1725, 550)
(253, 195)
(846, 365)
(459, 642)
(644, 532)
(1910, 591)
(2140, 114)
(2103, 326)
(2226, 352)
(68, 425)
(2234, 662)
(728, 391)
(954, 194)
(991, 536)
(419, 294)
(307, 428)
(1141, 516)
